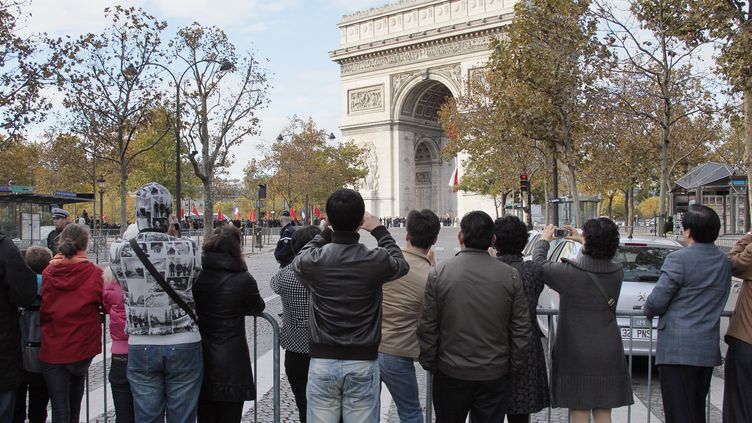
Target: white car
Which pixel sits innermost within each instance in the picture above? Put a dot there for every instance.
(642, 259)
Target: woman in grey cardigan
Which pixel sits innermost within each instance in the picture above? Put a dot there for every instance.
(589, 371)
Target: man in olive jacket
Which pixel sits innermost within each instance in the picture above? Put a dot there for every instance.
(345, 279)
(474, 328)
(18, 288)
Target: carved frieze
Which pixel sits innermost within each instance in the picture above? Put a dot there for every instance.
(365, 99)
(426, 52)
(423, 178)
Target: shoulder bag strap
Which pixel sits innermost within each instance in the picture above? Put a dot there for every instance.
(609, 299)
(160, 280)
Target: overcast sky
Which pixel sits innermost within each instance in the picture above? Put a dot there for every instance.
(295, 35)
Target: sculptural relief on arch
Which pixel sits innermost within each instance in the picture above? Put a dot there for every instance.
(399, 63)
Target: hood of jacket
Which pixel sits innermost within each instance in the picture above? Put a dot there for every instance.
(153, 207)
(67, 274)
(222, 262)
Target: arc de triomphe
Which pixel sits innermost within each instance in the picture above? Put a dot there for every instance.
(398, 65)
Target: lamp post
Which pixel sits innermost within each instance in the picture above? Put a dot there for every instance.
(224, 66)
(331, 137)
(101, 184)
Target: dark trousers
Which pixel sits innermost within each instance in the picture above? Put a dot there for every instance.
(121, 389)
(65, 384)
(454, 398)
(684, 389)
(34, 384)
(518, 418)
(296, 369)
(219, 411)
(737, 391)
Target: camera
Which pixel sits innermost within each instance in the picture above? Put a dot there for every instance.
(561, 233)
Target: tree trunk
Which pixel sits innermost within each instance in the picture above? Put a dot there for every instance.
(123, 193)
(664, 178)
(503, 204)
(569, 151)
(611, 206)
(208, 206)
(748, 145)
(629, 204)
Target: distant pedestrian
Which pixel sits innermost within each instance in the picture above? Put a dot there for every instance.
(37, 258)
(589, 371)
(60, 219)
(70, 322)
(283, 252)
(402, 307)
(114, 305)
(530, 392)
(689, 298)
(294, 333)
(18, 288)
(737, 392)
(345, 279)
(225, 293)
(474, 329)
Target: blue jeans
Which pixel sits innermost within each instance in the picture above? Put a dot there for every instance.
(165, 379)
(66, 384)
(346, 388)
(7, 403)
(398, 374)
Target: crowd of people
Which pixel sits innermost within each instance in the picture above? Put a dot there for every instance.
(355, 318)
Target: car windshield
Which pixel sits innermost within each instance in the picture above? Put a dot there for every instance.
(642, 263)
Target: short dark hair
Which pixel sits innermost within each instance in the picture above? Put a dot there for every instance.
(511, 235)
(703, 223)
(423, 227)
(345, 209)
(601, 238)
(477, 229)
(302, 236)
(225, 239)
(73, 238)
(37, 258)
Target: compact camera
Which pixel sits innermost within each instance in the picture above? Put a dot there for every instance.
(561, 233)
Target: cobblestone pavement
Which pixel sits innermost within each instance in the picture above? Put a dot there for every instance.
(262, 266)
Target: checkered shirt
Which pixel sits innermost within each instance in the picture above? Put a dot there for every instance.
(295, 299)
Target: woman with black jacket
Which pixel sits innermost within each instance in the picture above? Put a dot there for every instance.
(225, 293)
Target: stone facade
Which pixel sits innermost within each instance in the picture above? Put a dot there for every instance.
(398, 65)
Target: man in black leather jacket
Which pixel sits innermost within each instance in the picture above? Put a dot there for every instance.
(345, 280)
(283, 252)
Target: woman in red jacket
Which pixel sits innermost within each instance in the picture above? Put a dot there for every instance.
(70, 322)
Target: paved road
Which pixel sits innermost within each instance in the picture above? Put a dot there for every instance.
(262, 266)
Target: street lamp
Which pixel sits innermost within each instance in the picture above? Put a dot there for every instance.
(224, 66)
(101, 183)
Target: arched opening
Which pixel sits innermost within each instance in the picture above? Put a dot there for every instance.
(422, 140)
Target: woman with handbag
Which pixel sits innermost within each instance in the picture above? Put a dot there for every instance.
(70, 322)
(589, 371)
(225, 293)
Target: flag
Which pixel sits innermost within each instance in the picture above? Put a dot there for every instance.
(317, 212)
(302, 214)
(454, 180)
(293, 214)
(220, 216)
(182, 214)
(253, 215)
(195, 211)
(236, 212)
(267, 215)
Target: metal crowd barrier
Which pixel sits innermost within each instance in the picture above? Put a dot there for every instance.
(276, 373)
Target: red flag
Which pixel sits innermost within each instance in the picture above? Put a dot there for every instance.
(293, 214)
(454, 180)
(182, 214)
(317, 212)
(195, 211)
(253, 215)
(267, 215)
(220, 216)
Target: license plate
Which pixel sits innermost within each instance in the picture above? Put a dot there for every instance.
(639, 334)
(640, 322)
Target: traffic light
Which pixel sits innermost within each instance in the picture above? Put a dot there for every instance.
(524, 183)
(262, 191)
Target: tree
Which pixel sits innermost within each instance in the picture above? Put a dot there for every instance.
(110, 92)
(648, 43)
(649, 207)
(304, 169)
(21, 75)
(543, 73)
(19, 164)
(216, 119)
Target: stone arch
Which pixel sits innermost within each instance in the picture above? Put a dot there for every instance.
(419, 85)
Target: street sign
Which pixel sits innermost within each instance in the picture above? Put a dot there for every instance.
(17, 189)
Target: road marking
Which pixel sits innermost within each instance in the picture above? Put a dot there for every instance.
(386, 402)
(271, 298)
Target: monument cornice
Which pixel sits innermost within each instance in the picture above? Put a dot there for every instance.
(429, 49)
(375, 12)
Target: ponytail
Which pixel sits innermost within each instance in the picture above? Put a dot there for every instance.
(73, 239)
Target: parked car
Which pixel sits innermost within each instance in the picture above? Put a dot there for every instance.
(642, 259)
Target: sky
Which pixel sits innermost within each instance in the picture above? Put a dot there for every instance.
(294, 35)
